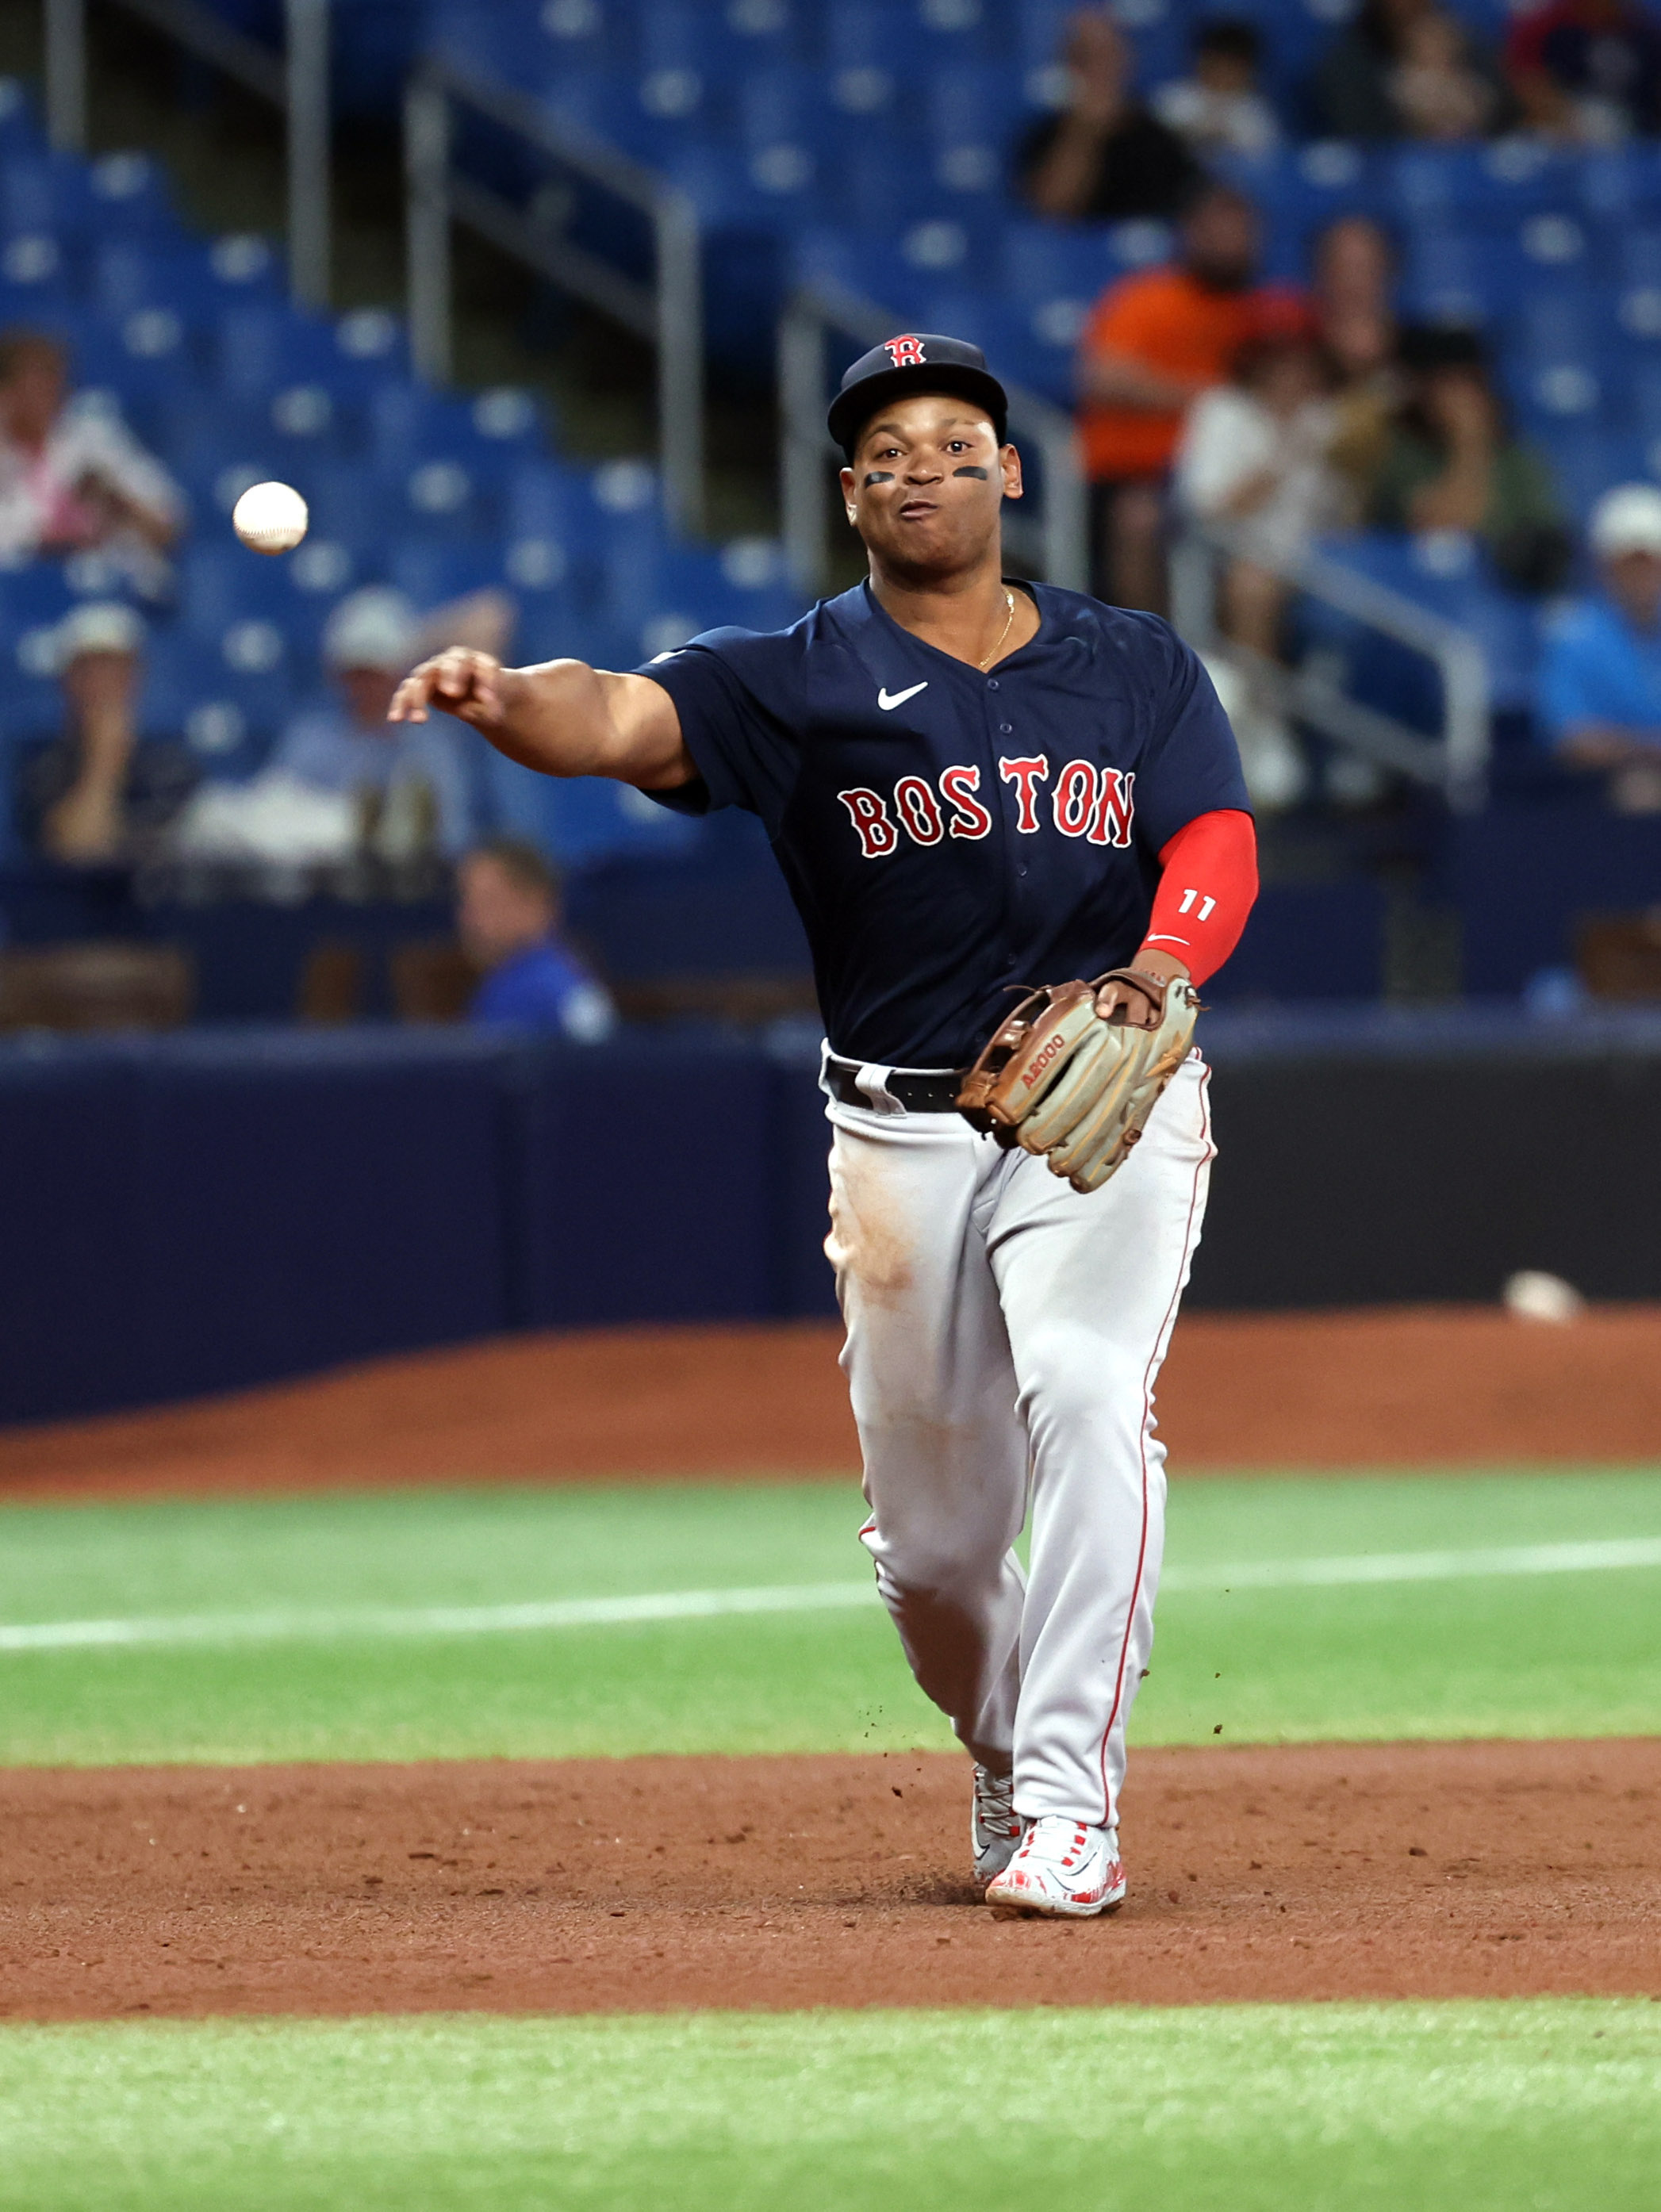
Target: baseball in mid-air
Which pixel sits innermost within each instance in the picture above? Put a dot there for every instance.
(271, 518)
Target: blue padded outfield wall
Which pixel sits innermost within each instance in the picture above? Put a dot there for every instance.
(199, 1213)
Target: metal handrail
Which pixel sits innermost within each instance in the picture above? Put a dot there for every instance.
(667, 313)
(1457, 763)
(1059, 543)
(296, 81)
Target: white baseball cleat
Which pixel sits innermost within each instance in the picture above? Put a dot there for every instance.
(995, 1825)
(1062, 1869)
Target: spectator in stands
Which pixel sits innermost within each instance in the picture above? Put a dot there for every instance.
(1599, 689)
(1450, 462)
(1253, 457)
(342, 779)
(507, 916)
(1354, 274)
(1438, 91)
(1357, 80)
(1587, 71)
(1254, 453)
(1219, 109)
(81, 783)
(1153, 342)
(1103, 156)
(73, 479)
(416, 793)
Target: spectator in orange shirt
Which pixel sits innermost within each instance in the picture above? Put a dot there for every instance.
(1153, 342)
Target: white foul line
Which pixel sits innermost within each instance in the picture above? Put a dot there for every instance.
(431, 1619)
(344, 1623)
(1420, 1566)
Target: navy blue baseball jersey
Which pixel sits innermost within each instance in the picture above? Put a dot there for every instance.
(949, 832)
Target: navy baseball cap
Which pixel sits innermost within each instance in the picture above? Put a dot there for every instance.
(918, 362)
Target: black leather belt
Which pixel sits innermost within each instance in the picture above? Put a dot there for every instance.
(918, 1094)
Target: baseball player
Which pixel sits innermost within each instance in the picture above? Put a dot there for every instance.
(974, 786)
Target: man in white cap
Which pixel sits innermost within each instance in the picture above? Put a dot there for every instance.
(1598, 692)
(348, 747)
(96, 651)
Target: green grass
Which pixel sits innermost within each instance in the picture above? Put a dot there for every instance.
(1558, 1655)
(1537, 2106)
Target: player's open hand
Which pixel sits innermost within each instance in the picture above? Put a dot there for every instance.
(461, 682)
(1122, 1001)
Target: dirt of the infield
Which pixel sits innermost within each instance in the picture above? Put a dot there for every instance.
(1425, 1386)
(1383, 1870)
(1321, 1871)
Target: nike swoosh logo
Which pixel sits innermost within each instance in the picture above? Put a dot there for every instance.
(889, 700)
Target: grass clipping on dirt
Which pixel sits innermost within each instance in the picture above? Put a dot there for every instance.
(1472, 2107)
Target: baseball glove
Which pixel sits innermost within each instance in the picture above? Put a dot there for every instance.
(1076, 1087)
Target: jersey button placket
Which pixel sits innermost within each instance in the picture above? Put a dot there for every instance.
(1007, 730)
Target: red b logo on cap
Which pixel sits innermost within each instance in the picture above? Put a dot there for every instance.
(904, 353)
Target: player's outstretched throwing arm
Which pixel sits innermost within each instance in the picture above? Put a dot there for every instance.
(563, 718)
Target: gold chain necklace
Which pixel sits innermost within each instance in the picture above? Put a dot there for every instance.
(1009, 600)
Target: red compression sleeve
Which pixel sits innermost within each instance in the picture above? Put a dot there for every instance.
(1207, 891)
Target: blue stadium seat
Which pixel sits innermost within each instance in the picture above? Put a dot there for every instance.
(1041, 263)
(1476, 273)
(146, 354)
(1040, 32)
(1301, 189)
(966, 113)
(196, 280)
(1620, 184)
(263, 348)
(444, 498)
(222, 581)
(256, 666)
(788, 137)
(584, 820)
(18, 128)
(34, 600)
(43, 192)
(36, 277)
(624, 524)
(1504, 181)
(1588, 461)
(185, 694)
(545, 500)
(405, 423)
(431, 571)
(948, 31)
(356, 505)
(1447, 575)
(720, 39)
(866, 41)
(128, 193)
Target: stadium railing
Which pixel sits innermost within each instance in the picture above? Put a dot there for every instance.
(296, 82)
(666, 311)
(1456, 762)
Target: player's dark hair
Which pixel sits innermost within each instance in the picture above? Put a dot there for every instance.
(1231, 36)
(523, 864)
